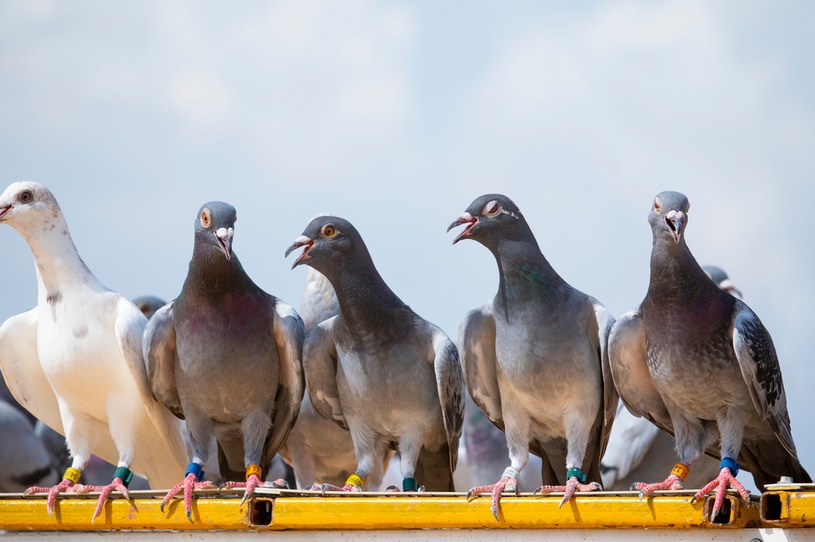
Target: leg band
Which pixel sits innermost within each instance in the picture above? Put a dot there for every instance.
(577, 473)
(731, 464)
(509, 472)
(355, 480)
(196, 469)
(680, 471)
(253, 469)
(409, 484)
(124, 474)
(72, 474)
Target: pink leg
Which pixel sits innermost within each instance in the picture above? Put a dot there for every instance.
(64, 485)
(506, 483)
(673, 482)
(188, 485)
(250, 484)
(117, 484)
(721, 484)
(572, 485)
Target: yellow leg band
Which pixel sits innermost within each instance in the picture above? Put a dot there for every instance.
(355, 480)
(681, 471)
(253, 469)
(72, 474)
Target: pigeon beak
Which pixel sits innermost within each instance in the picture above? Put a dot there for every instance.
(301, 241)
(4, 210)
(464, 218)
(224, 237)
(676, 221)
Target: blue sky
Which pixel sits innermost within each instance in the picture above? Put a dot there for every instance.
(396, 115)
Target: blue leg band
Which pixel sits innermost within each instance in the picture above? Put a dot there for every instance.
(409, 484)
(196, 469)
(731, 464)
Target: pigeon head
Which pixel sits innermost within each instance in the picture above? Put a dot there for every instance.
(719, 276)
(215, 227)
(489, 218)
(669, 216)
(328, 241)
(148, 304)
(28, 205)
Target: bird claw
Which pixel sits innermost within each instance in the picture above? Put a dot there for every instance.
(53, 491)
(572, 486)
(672, 482)
(506, 483)
(721, 484)
(280, 483)
(105, 491)
(188, 485)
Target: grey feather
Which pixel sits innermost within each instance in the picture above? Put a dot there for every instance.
(699, 363)
(225, 355)
(535, 359)
(378, 368)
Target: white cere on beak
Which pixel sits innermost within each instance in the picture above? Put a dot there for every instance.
(466, 216)
(224, 233)
(302, 240)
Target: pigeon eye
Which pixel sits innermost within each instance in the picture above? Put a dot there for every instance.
(328, 230)
(206, 218)
(492, 209)
(657, 206)
(26, 196)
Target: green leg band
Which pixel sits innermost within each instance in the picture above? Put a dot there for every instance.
(409, 484)
(577, 473)
(124, 474)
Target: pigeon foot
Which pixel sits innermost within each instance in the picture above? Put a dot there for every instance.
(64, 485)
(117, 484)
(189, 484)
(505, 484)
(672, 482)
(721, 483)
(572, 486)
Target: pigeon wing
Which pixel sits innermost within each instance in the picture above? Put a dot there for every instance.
(605, 321)
(160, 358)
(478, 359)
(289, 333)
(20, 364)
(320, 365)
(449, 381)
(629, 368)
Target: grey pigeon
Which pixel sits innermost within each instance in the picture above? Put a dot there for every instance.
(226, 357)
(378, 368)
(698, 362)
(75, 361)
(639, 450)
(149, 304)
(535, 358)
(319, 450)
(24, 461)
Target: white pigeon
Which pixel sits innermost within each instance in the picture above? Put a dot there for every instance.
(75, 360)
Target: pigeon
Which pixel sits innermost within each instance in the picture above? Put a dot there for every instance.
(637, 449)
(699, 363)
(535, 358)
(75, 360)
(319, 450)
(226, 357)
(24, 461)
(379, 369)
(149, 304)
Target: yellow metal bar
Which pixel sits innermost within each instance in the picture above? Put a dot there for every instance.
(788, 505)
(278, 510)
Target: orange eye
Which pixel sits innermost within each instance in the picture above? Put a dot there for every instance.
(657, 206)
(328, 230)
(492, 209)
(206, 218)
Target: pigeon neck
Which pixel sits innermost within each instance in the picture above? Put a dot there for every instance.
(57, 261)
(362, 293)
(212, 273)
(525, 274)
(676, 275)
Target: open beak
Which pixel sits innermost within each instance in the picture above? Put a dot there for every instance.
(301, 241)
(676, 221)
(464, 218)
(4, 210)
(728, 286)
(224, 237)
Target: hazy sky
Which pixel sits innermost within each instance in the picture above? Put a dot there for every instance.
(396, 115)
